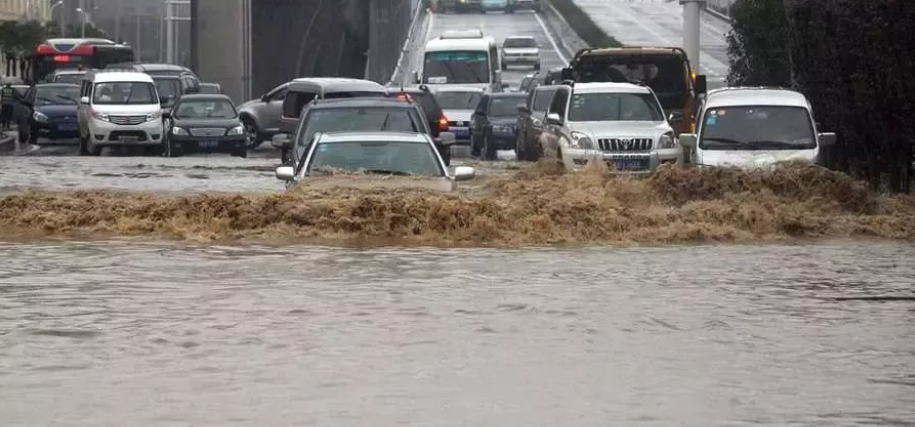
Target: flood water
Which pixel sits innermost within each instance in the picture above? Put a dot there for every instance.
(163, 334)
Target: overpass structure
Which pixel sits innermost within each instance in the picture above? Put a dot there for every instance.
(249, 49)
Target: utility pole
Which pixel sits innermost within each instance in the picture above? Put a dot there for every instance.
(139, 35)
(692, 14)
(117, 22)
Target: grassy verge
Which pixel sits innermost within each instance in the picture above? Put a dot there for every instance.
(586, 28)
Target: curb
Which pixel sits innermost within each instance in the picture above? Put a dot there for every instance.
(718, 15)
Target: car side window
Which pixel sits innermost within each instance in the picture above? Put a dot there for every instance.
(277, 96)
(294, 102)
(543, 99)
(560, 102)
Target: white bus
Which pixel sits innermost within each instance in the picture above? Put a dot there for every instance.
(464, 58)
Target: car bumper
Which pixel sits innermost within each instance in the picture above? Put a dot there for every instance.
(525, 60)
(504, 141)
(619, 162)
(106, 133)
(213, 144)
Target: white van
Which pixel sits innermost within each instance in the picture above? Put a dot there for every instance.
(754, 128)
(464, 58)
(118, 108)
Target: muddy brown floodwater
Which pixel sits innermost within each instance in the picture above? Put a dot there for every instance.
(162, 334)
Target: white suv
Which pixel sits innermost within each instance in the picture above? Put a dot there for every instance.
(118, 108)
(619, 124)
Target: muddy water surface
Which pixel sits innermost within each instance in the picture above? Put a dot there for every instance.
(161, 334)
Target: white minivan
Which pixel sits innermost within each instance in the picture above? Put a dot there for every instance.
(118, 108)
(754, 128)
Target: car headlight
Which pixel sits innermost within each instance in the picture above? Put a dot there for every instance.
(667, 141)
(154, 116)
(40, 117)
(237, 130)
(179, 131)
(101, 116)
(581, 141)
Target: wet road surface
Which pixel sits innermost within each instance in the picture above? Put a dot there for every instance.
(147, 334)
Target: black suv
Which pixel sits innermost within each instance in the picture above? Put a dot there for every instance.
(438, 123)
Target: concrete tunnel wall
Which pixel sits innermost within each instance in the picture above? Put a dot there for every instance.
(250, 46)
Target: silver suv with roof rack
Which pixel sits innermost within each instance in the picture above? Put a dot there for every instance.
(621, 125)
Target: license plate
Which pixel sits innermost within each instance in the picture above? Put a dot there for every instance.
(208, 144)
(460, 132)
(626, 165)
(127, 139)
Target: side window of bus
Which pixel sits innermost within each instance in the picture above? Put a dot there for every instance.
(560, 102)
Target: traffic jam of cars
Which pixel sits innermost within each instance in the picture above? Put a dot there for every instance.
(629, 109)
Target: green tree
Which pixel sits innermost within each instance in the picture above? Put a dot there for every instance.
(759, 45)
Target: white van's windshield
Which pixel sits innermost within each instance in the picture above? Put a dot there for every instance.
(125, 93)
(456, 67)
(757, 128)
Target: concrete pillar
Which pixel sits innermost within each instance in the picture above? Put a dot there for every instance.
(221, 43)
(692, 10)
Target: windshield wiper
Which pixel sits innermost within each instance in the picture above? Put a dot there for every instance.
(386, 172)
(723, 141)
(776, 144)
(384, 125)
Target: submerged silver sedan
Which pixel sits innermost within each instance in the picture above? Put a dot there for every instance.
(372, 160)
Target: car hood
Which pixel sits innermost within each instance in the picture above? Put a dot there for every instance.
(207, 123)
(621, 129)
(127, 110)
(520, 50)
(458, 115)
(378, 182)
(249, 104)
(57, 110)
(754, 159)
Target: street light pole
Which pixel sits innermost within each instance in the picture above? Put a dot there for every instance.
(692, 13)
(85, 18)
(59, 2)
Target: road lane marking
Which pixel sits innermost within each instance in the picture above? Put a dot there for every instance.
(550, 38)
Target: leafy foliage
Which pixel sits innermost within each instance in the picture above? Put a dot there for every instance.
(854, 61)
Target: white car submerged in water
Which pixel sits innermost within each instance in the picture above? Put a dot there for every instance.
(374, 160)
(754, 128)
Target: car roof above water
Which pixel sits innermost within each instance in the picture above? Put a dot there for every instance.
(336, 84)
(360, 103)
(749, 96)
(333, 137)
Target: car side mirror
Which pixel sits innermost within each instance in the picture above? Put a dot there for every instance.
(827, 139)
(285, 173)
(464, 173)
(675, 117)
(701, 84)
(264, 98)
(446, 138)
(280, 140)
(687, 140)
(414, 75)
(84, 100)
(553, 119)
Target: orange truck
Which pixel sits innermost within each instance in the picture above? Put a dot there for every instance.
(666, 70)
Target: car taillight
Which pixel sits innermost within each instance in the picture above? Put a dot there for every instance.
(443, 124)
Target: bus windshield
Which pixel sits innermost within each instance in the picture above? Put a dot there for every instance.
(456, 67)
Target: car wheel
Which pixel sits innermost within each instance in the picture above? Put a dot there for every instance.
(253, 133)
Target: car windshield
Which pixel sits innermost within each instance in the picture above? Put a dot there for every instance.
(520, 42)
(456, 67)
(602, 107)
(502, 106)
(72, 79)
(381, 157)
(56, 95)
(169, 90)
(357, 119)
(202, 109)
(458, 100)
(125, 93)
(757, 128)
